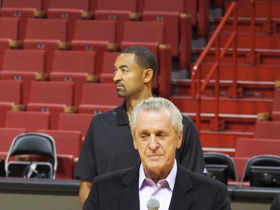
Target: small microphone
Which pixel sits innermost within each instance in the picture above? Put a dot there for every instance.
(153, 204)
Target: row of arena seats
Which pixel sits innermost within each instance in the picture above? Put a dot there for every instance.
(48, 36)
(176, 31)
(57, 97)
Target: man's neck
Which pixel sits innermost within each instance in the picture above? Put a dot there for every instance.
(132, 102)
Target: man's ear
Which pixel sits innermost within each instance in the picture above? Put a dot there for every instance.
(148, 75)
(180, 137)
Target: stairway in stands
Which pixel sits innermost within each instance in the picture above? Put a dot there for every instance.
(255, 79)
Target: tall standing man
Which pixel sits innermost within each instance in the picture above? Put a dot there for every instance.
(108, 145)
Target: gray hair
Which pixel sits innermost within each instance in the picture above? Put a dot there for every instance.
(158, 104)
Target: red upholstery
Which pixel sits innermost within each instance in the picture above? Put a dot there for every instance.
(276, 106)
(116, 10)
(107, 73)
(50, 97)
(68, 9)
(65, 166)
(253, 147)
(22, 10)
(240, 163)
(151, 35)
(10, 95)
(23, 65)
(75, 122)
(45, 34)
(98, 98)
(167, 11)
(31, 121)
(8, 31)
(6, 137)
(94, 35)
(73, 66)
(66, 142)
(267, 130)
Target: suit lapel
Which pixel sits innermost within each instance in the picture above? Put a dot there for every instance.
(182, 198)
(129, 194)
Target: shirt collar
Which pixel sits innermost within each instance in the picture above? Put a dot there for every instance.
(170, 178)
(121, 114)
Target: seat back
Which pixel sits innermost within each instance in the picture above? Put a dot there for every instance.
(75, 122)
(270, 166)
(16, 4)
(7, 135)
(12, 91)
(107, 73)
(73, 62)
(8, 28)
(267, 130)
(276, 106)
(95, 30)
(51, 93)
(69, 4)
(127, 5)
(31, 121)
(164, 5)
(213, 160)
(46, 29)
(24, 61)
(33, 144)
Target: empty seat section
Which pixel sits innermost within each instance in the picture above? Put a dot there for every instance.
(52, 97)
(97, 98)
(135, 33)
(276, 106)
(75, 122)
(24, 65)
(6, 137)
(267, 130)
(10, 98)
(95, 35)
(66, 142)
(46, 34)
(22, 10)
(31, 121)
(117, 10)
(71, 10)
(107, 73)
(76, 67)
(247, 148)
(8, 35)
(176, 28)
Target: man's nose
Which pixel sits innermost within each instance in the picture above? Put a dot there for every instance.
(153, 144)
(117, 76)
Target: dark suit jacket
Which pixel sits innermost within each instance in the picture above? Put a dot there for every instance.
(276, 203)
(119, 191)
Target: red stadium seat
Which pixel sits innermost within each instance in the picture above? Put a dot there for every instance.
(52, 97)
(107, 73)
(10, 98)
(7, 135)
(66, 142)
(117, 10)
(24, 65)
(70, 10)
(76, 67)
(75, 122)
(65, 166)
(46, 34)
(135, 33)
(267, 130)
(22, 10)
(276, 106)
(95, 35)
(31, 121)
(9, 31)
(98, 98)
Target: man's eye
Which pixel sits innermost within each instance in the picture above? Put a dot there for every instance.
(143, 136)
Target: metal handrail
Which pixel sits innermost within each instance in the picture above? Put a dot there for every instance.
(196, 87)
